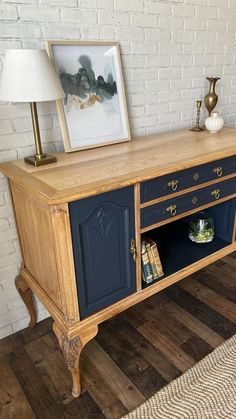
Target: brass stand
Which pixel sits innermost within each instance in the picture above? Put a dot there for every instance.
(39, 158)
(197, 126)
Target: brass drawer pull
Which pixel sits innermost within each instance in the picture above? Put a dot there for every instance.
(173, 184)
(216, 193)
(172, 209)
(218, 171)
(196, 176)
(194, 200)
(133, 249)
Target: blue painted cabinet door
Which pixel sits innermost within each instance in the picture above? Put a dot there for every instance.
(102, 228)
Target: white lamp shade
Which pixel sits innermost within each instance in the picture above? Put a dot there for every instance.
(28, 76)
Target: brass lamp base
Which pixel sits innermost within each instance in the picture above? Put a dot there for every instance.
(40, 161)
(39, 158)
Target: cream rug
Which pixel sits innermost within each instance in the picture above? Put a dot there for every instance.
(206, 391)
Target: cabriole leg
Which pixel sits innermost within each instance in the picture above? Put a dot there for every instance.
(71, 349)
(27, 296)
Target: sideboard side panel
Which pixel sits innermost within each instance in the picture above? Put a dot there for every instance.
(37, 243)
(65, 261)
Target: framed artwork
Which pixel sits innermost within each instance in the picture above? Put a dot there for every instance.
(94, 111)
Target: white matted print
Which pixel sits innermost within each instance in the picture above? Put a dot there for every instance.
(93, 112)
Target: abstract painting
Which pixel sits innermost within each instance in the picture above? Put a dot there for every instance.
(94, 111)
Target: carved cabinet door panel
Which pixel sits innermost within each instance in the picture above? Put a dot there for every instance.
(102, 229)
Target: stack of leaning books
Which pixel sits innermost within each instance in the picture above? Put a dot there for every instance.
(151, 263)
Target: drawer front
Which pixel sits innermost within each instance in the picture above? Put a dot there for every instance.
(188, 178)
(178, 205)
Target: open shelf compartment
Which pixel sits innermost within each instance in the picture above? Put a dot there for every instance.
(177, 251)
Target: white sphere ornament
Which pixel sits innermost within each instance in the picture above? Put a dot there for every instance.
(214, 123)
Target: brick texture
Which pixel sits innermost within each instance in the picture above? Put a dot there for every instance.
(168, 48)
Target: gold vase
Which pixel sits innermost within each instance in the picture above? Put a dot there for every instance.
(211, 98)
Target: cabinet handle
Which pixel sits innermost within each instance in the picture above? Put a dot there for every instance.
(133, 249)
(172, 209)
(218, 171)
(216, 193)
(173, 184)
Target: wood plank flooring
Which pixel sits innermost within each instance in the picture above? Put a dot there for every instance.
(134, 355)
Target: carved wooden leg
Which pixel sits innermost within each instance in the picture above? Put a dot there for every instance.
(71, 349)
(26, 295)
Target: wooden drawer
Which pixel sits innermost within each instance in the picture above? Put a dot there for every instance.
(188, 178)
(189, 201)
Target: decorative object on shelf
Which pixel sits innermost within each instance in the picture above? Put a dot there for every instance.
(94, 111)
(211, 98)
(28, 76)
(197, 126)
(201, 228)
(214, 123)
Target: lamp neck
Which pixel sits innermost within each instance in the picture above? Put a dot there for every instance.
(39, 153)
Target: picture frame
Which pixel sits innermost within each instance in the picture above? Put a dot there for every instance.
(94, 110)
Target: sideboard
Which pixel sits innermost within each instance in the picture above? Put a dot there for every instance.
(81, 221)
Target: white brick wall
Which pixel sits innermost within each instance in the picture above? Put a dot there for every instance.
(168, 48)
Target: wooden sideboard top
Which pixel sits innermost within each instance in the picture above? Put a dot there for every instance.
(89, 172)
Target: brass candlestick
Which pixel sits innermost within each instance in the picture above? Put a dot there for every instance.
(197, 126)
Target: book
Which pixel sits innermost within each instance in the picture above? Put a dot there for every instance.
(143, 275)
(155, 258)
(146, 265)
(151, 259)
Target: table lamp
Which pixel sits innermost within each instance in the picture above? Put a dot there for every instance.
(29, 76)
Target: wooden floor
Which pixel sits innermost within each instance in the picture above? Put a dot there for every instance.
(133, 356)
